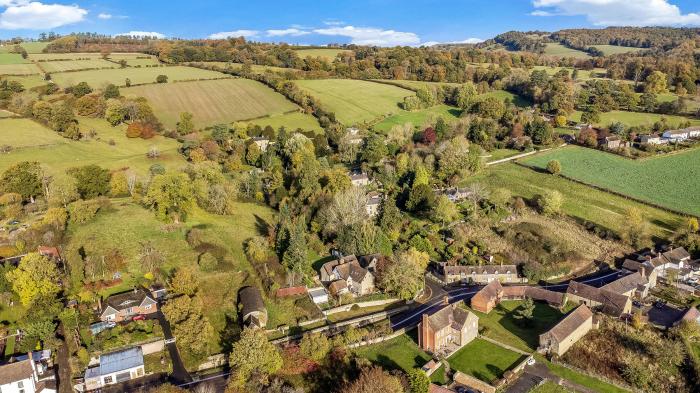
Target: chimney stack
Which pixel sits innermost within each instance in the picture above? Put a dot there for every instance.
(446, 300)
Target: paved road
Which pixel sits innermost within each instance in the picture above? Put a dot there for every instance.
(411, 318)
(179, 374)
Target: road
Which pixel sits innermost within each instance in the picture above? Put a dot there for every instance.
(179, 374)
(411, 318)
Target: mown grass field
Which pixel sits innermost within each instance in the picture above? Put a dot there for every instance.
(19, 69)
(257, 69)
(672, 181)
(72, 65)
(12, 58)
(616, 49)
(413, 85)
(211, 102)
(118, 76)
(327, 54)
(135, 59)
(634, 118)
(290, 121)
(556, 49)
(484, 360)
(418, 118)
(34, 142)
(356, 101)
(64, 56)
(550, 387)
(581, 202)
(400, 353)
(28, 81)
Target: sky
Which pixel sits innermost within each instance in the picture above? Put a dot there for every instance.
(317, 22)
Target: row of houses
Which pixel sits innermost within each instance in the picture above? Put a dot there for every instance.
(670, 136)
(31, 373)
(478, 274)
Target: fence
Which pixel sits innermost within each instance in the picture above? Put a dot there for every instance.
(378, 339)
(349, 306)
(474, 383)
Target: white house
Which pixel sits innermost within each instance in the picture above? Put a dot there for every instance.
(359, 179)
(115, 367)
(682, 134)
(318, 295)
(262, 142)
(374, 201)
(22, 377)
(651, 139)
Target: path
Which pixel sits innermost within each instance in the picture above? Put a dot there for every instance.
(179, 374)
(63, 375)
(521, 155)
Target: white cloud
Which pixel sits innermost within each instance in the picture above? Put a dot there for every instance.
(34, 15)
(542, 13)
(103, 15)
(236, 33)
(621, 12)
(467, 41)
(294, 32)
(329, 22)
(136, 33)
(371, 35)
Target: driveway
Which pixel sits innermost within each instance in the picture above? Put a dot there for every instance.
(63, 373)
(664, 315)
(179, 374)
(525, 383)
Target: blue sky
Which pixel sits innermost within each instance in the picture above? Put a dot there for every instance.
(372, 22)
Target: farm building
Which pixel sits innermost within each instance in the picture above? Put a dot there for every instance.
(447, 330)
(606, 301)
(633, 285)
(252, 306)
(567, 332)
(115, 367)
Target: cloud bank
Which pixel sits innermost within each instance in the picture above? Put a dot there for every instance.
(619, 12)
(34, 15)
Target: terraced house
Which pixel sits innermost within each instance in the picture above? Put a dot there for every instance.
(478, 274)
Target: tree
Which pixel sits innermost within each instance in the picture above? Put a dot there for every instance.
(23, 178)
(588, 137)
(635, 230)
(656, 83)
(374, 150)
(185, 125)
(404, 276)
(171, 195)
(421, 199)
(549, 203)
(81, 89)
(692, 225)
(590, 117)
(560, 120)
(445, 210)
(540, 131)
(115, 113)
(374, 380)
(648, 102)
(253, 353)
(295, 256)
(465, 95)
(185, 281)
(162, 79)
(91, 180)
(62, 191)
(111, 91)
(554, 167)
(490, 107)
(36, 277)
(418, 381)
(525, 312)
(315, 346)
(348, 208)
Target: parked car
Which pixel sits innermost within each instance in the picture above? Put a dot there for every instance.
(139, 317)
(531, 361)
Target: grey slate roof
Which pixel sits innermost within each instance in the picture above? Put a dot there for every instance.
(484, 269)
(627, 283)
(116, 361)
(571, 322)
(15, 372)
(251, 299)
(122, 301)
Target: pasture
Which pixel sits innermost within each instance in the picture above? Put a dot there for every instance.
(421, 118)
(12, 58)
(33, 142)
(484, 360)
(134, 59)
(29, 46)
(290, 121)
(616, 49)
(64, 56)
(212, 102)
(670, 181)
(73, 65)
(582, 74)
(28, 81)
(356, 101)
(327, 54)
(559, 50)
(19, 69)
(415, 85)
(118, 76)
(634, 118)
(580, 202)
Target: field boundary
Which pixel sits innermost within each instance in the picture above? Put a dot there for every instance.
(599, 188)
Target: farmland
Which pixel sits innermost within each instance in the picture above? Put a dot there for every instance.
(29, 46)
(118, 76)
(326, 54)
(64, 56)
(33, 142)
(19, 69)
(670, 181)
(634, 118)
(72, 65)
(12, 58)
(356, 101)
(418, 118)
(28, 81)
(582, 74)
(581, 202)
(290, 121)
(616, 49)
(214, 101)
(559, 50)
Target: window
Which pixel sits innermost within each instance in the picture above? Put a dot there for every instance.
(147, 307)
(20, 384)
(108, 379)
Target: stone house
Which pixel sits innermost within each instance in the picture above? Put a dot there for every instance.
(115, 367)
(374, 201)
(346, 272)
(646, 269)
(252, 306)
(603, 300)
(488, 297)
(448, 329)
(359, 179)
(610, 142)
(632, 285)
(651, 139)
(478, 274)
(567, 332)
(262, 142)
(126, 305)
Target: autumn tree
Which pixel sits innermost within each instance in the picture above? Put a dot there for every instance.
(253, 353)
(36, 277)
(418, 381)
(171, 196)
(373, 380)
(549, 203)
(554, 167)
(404, 276)
(91, 180)
(23, 178)
(315, 346)
(635, 230)
(185, 281)
(185, 125)
(656, 83)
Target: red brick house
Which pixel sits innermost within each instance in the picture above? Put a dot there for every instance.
(450, 328)
(126, 305)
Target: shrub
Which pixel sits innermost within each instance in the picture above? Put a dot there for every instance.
(207, 262)
(162, 79)
(554, 167)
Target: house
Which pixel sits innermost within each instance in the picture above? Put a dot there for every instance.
(158, 292)
(651, 139)
(352, 136)
(252, 306)
(610, 142)
(23, 377)
(359, 179)
(607, 302)
(488, 297)
(50, 252)
(646, 269)
(318, 295)
(567, 332)
(358, 280)
(374, 201)
(632, 285)
(675, 258)
(492, 294)
(455, 194)
(479, 274)
(448, 329)
(262, 142)
(126, 305)
(115, 367)
(370, 261)
(682, 134)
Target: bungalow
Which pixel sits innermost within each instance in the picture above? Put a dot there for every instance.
(252, 306)
(358, 280)
(606, 301)
(567, 332)
(374, 201)
(115, 367)
(479, 274)
(126, 305)
(23, 377)
(448, 329)
(359, 179)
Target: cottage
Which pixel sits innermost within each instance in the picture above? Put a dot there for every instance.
(115, 367)
(632, 285)
(359, 179)
(455, 194)
(567, 332)
(358, 280)
(610, 142)
(479, 274)
(608, 302)
(23, 377)
(370, 261)
(682, 134)
(252, 306)
(673, 259)
(124, 306)
(448, 329)
(374, 201)
(262, 142)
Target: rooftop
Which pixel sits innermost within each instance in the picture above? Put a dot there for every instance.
(15, 372)
(571, 322)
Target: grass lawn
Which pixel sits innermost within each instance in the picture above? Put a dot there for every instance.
(506, 95)
(118, 76)
(579, 378)
(34, 142)
(634, 118)
(213, 101)
(356, 101)
(499, 154)
(290, 121)
(556, 49)
(19, 69)
(418, 118)
(671, 181)
(502, 326)
(484, 360)
(328, 54)
(616, 49)
(401, 352)
(72, 65)
(580, 202)
(10, 346)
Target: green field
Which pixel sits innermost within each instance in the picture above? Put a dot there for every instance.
(672, 181)
(499, 154)
(290, 121)
(582, 74)
(118, 76)
(28, 81)
(212, 102)
(327, 54)
(64, 56)
(19, 69)
(415, 85)
(550, 387)
(484, 360)
(400, 353)
(580, 201)
(418, 118)
(29, 46)
(559, 50)
(616, 49)
(33, 142)
(506, 95)
(12, 58)
(356, 101)
(135, 59)
(72, 65)
(257, 69)
(634, 118)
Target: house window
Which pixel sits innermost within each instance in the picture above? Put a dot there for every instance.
(147, 307)
(20, 384)
(108, 379)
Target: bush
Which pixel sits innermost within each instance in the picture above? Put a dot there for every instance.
(550, 202)
(554, 167)
(162, 79)
(207, 262)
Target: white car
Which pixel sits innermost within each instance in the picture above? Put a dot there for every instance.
(531, 361)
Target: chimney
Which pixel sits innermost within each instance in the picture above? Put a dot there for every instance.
(135, 291)
(446, 300)
(99, 303)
